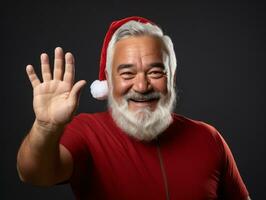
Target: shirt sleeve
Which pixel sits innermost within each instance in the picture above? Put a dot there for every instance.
(232, 185)
(74, 140)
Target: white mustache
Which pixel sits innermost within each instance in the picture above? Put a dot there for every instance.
(135, 96)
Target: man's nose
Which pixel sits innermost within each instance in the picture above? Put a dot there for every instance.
(141, 83)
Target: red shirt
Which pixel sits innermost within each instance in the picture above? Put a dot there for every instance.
(188, 161)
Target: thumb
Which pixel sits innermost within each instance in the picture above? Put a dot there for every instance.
(75, 91)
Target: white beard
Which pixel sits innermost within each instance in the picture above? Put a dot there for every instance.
(143, 124)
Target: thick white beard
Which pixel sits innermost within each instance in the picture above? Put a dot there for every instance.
(143, 124)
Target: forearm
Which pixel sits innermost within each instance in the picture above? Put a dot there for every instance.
(38, 159)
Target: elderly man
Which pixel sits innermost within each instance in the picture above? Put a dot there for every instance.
(138, 149)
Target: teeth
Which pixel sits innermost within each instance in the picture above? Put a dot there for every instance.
(141, 100)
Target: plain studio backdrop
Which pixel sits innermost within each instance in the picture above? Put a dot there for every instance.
(220, 48)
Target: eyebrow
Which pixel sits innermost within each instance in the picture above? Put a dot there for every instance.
(158, 64)
(124, 66)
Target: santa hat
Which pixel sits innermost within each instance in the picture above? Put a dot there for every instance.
(99, 88)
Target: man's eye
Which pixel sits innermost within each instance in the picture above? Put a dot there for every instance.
(127, 75)
(156, 74)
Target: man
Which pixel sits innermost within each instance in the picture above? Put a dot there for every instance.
(138, 149)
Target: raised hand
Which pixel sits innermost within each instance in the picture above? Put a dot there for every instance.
(56, 98)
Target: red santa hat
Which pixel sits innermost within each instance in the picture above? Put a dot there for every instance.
(99, 88)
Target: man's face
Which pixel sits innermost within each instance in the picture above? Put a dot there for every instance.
(138, 67)
(140, 102)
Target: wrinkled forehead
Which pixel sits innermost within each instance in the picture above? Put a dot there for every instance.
(138, 49)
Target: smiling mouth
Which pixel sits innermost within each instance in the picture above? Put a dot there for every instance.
(144, 100)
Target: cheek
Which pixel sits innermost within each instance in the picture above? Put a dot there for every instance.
(160, 85)
(120, 87)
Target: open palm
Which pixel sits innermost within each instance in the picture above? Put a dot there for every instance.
(56, 98)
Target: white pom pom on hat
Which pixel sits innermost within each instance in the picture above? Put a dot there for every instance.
(99, 88)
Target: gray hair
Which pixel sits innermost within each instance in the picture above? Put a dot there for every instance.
(134, 28)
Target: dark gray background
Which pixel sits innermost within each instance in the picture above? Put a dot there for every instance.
(220, 49)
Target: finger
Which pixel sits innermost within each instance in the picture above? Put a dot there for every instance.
(46, 72)
(70, 68)
(58, 63)
(32, 76)
(75, 91)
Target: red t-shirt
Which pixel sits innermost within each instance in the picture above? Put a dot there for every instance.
(188, 161)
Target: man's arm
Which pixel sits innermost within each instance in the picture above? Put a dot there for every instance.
(232, 186)
(41, 160)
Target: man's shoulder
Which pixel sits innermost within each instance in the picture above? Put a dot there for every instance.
(198, 129)
(194, 124)
(89, 118)
(92, 116)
